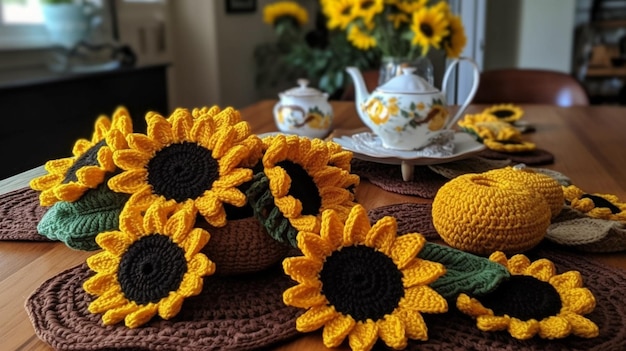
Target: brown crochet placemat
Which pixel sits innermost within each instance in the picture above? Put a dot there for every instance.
(231, 313)
(20, 213)
(456, 331)
(425, 182)
(535, 157)
(410, 217)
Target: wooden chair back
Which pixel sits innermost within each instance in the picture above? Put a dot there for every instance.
(533, 86)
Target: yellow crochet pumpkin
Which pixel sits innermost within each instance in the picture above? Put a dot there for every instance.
(481, 213)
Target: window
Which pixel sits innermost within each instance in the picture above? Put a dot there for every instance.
(21, 25)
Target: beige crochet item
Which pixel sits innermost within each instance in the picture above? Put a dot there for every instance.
(573, 228)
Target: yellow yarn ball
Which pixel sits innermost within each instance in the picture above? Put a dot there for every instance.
(543, 184)
(480, 213)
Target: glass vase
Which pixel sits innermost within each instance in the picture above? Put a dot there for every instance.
(392, 66)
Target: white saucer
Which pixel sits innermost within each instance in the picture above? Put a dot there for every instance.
(465, 146)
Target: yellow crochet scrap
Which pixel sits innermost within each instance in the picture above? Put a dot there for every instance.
(198, 157)
(483, 213)
(505, 112)
(539, 287)
(548, 187)
(281, 9)
(69, 178)
(602, 206)
(148, 267)
(362, 282)
(313, 163)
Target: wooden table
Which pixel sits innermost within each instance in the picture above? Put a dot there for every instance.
(588, 144)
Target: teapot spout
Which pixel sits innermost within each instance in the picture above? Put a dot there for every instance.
(360, 89)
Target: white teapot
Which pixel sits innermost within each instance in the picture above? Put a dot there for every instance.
(304, 111)
(406, 112)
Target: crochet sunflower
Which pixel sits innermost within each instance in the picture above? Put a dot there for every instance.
(69, 178)
(186, 158)
(148, 267)
(505, 112)
(535, 300)
(298, 181)
(495, 134)
(601, 206)
(362, 281)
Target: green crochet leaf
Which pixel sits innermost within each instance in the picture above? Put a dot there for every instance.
(78, 223)
(465, 272)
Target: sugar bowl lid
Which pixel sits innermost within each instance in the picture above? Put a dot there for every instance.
(408, 83)
(302, 90)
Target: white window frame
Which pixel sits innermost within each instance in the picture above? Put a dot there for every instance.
(22, 36)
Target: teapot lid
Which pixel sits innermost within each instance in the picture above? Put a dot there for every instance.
(303, 90)
(407, 83)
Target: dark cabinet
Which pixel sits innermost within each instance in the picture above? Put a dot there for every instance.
(42, 117)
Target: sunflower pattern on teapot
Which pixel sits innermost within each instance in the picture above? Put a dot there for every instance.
(379, 110)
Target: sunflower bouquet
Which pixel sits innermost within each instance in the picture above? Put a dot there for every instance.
(397, 28)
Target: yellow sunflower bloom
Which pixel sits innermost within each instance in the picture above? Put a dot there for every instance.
(340, 13)
(367, 9)
(429, 26)
(602, 206)
(456, 40)
(69, 178)
(360, 39)
(410, 6)
(533, 301)
(304, 177)
(505, 112)
(285, 9)
(148, 267)
(362, 281)
(187, 159)
(495, 134)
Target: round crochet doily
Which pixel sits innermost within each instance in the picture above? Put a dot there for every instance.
(20, 213)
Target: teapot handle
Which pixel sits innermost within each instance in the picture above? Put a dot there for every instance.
(470, 97)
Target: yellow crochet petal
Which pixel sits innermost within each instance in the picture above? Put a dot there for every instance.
(279, 181)
(312, 245)
(171, 305)
(332, 229)
(90, 175)
(499, 257)
(232, 196)
(202, 131)
(336, 330)
(48, 198)
(304, 296)
(129, 182)
(105, 160)
(180, 224)
(192, 282)
(554, 327)
(111, 299)
(101, 127)
(103, 262)
(160, 130)
(234, 178)
(518, 264)
(69, 192)
(357, 226)
(131, 159)
(223, 140)
(581, 326)
(523, 329)
(315, 318)
(196, 240)
(99, 284)
(363, 336)
(334, 195)
(471, 306)
(117, 314)
(181, 121)
(541, 269)
(80, 146)
(306, 223)
(155, 219)
(141, 315)
(578, 300)
(421, 272)
(566, 281)
(493, 323)
(289, 206)
(423, 298)
(382, 235)
(143, 144)
(201, 266)
(46, 181)
(414, 324)
(59, 166)
(405, 248)
(302, 269)
(115, 242)
(391, 330)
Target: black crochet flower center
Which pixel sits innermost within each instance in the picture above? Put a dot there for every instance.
(599, 201)
(302, 187)
(182, 171)
(89, 158)
(362, 282)
(151, 268)
(427, 30)
(503, 113)
(524, 297)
